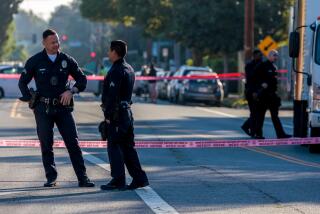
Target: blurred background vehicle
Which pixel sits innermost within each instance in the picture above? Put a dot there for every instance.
(9, 86)
(209, 91)
(93, 86)
(162, 85)
(140, 88)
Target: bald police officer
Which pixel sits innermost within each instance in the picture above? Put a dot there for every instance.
(116, 101)
(50, 69)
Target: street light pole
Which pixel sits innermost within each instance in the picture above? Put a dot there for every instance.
(248, 29)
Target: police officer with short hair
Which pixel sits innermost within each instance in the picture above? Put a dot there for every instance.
(116, 101)
(50, 69)
(268, 99)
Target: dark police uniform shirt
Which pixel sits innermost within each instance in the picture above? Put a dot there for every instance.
(268, 74)
(51, 78)
(117, 86)
(251, 78)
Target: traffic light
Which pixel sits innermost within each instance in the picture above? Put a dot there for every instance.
(64, 37)
(93, 54)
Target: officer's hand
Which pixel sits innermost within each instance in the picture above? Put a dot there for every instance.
(264, 85)
(66, 98)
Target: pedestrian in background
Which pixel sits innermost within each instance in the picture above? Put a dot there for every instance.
(50, 69)
(152, 84)
(268, 99)
(249, 126)
(116, 106)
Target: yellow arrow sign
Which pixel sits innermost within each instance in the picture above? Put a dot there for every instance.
(267, 44)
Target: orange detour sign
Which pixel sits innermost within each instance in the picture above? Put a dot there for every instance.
(267, 44)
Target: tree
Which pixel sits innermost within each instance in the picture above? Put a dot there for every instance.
(7, 9)
(272, 18)
(204, 26)
(74, 31)
(28, 32)
(9, 45)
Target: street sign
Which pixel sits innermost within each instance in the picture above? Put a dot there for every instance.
(165, 52)
(267, 44)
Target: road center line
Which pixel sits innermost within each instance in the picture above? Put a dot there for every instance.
(147, 194)
(264, 151)
(284, 157)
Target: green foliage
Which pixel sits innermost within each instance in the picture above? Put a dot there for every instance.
(19, 54)
(9, 45)
(204, 26)
(272, 18)
(7, 9)
(68, 21)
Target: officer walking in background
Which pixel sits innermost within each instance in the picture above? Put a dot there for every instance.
(53, 104)
(267, 96)
(249, 125)
(116, 101)
(152, 84)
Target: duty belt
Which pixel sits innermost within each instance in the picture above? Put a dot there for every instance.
(50, 101)
(125, 104)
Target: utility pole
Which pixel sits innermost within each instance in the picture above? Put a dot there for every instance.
(248, 29)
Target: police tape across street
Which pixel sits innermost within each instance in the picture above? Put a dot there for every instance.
(176, 144)
(225, 76)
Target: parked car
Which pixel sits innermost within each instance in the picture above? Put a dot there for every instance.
(93, 86)
(208, 91)
(162, 85)
(9, 86)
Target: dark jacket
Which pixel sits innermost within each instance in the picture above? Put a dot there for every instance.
(117, 87)
(266, 73)
(251, 78)
(51, 78)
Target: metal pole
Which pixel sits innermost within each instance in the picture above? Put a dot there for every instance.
(248, 29)
(300, 60)
(300, 114)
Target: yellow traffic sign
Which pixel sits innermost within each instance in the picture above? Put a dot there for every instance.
(267, 44)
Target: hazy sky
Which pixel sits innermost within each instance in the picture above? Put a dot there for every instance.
(42, 8)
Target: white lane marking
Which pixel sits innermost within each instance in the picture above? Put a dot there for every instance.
(13, 112)
(9, 193)
(147, 194)
(217, 112)
(236, 117)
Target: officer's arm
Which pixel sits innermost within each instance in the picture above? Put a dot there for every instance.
(113, 92)
(78, 76)
(25, 79)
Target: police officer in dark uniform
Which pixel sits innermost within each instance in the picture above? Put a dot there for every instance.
(267, 94)
(53, 104)
(116, 101)
(249, 125)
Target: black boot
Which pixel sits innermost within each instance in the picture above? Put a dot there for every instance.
(50, 183)
(114, 185)
(135, 185)
(86, 183)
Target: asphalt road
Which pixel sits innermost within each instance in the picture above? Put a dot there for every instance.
(283, 179)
